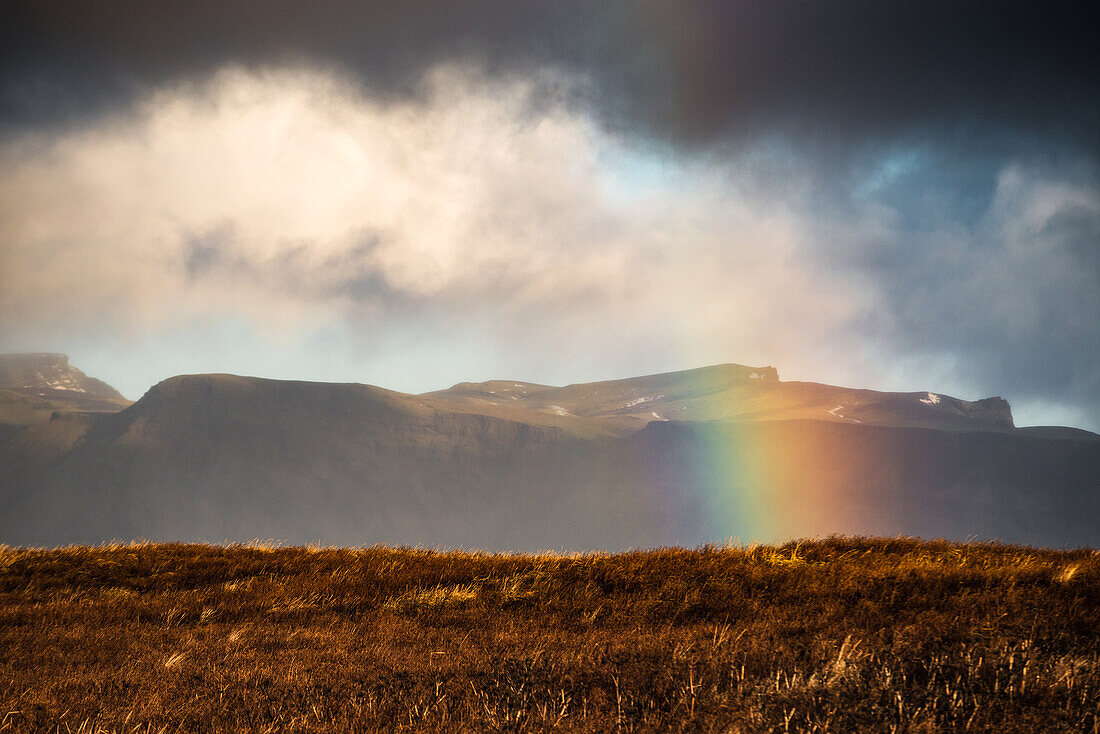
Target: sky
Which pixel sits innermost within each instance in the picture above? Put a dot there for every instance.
(892, 195)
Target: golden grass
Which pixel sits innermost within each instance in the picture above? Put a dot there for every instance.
(843, 635)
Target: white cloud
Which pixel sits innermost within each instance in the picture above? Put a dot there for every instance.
(493, 216)
(288, 198)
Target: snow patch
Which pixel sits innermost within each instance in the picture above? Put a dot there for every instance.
(835, 412)
(654, 414)
(932, 399)
(68, 384)
(58, 380)
(647, 399)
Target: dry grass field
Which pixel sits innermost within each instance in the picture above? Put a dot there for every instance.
(842, 635)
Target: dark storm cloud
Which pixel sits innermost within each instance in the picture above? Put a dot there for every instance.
(883, 66)
(691, 70)
(70, 58)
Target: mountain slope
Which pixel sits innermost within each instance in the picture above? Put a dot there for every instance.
(219, 457)
(33, 387)
(727, 392)
(488, 465)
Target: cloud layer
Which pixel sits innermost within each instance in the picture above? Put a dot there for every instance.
(694, 69)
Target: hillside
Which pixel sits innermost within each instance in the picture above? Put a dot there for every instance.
(508, 465)
(846, 635)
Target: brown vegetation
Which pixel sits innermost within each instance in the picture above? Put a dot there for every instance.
(837, 635)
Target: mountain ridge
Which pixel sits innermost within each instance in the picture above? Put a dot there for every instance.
(727, 392)
(513, 465)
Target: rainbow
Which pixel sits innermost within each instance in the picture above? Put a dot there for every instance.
(736, 476)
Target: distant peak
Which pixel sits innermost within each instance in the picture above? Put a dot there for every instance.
(50, 373)
(993, 411)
